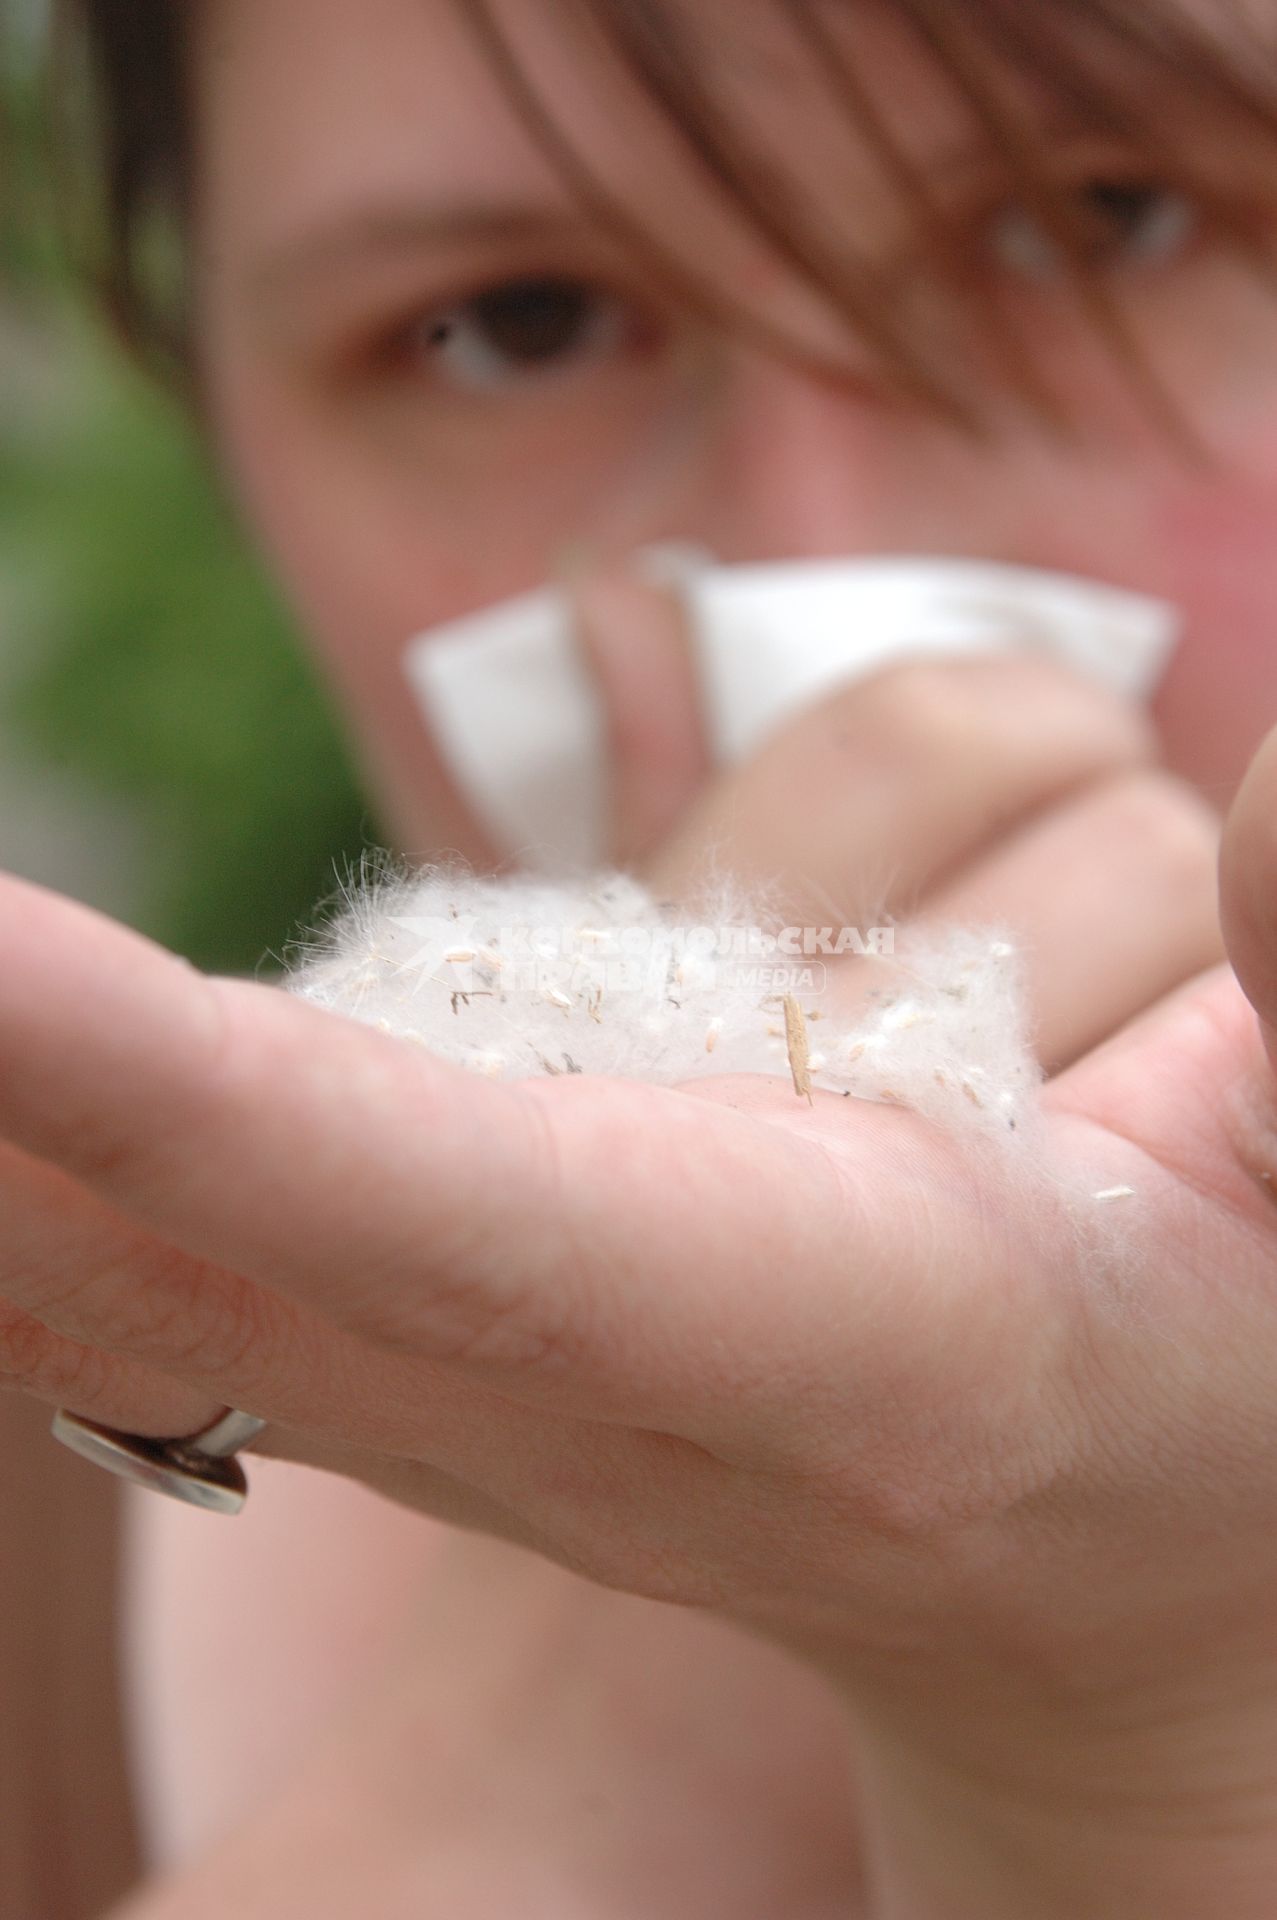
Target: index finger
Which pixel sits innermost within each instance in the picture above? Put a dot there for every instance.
(634, 635)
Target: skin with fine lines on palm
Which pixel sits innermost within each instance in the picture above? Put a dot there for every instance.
(879, 1407)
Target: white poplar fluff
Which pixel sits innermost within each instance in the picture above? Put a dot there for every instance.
(517, 976)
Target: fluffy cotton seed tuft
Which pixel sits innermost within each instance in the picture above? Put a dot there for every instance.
(517, 976)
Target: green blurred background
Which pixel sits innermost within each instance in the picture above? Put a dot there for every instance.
(165, 753)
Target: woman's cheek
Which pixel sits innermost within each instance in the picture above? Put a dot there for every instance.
(373, 534)
(1219, 699)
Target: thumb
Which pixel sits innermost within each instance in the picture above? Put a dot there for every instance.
(1248, 889)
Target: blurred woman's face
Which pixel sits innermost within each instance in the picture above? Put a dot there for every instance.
(432, 374)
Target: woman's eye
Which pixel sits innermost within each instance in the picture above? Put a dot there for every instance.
(1123, 224)
(526, 329)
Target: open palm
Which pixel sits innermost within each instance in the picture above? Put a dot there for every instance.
(819, 1369)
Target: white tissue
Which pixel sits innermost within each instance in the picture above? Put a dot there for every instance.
(517, 717)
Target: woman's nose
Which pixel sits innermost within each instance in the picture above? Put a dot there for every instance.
(792, 465)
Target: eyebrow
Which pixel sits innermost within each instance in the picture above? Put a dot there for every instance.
(366, 235)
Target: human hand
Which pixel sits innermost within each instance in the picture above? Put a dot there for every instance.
(626, 1429)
